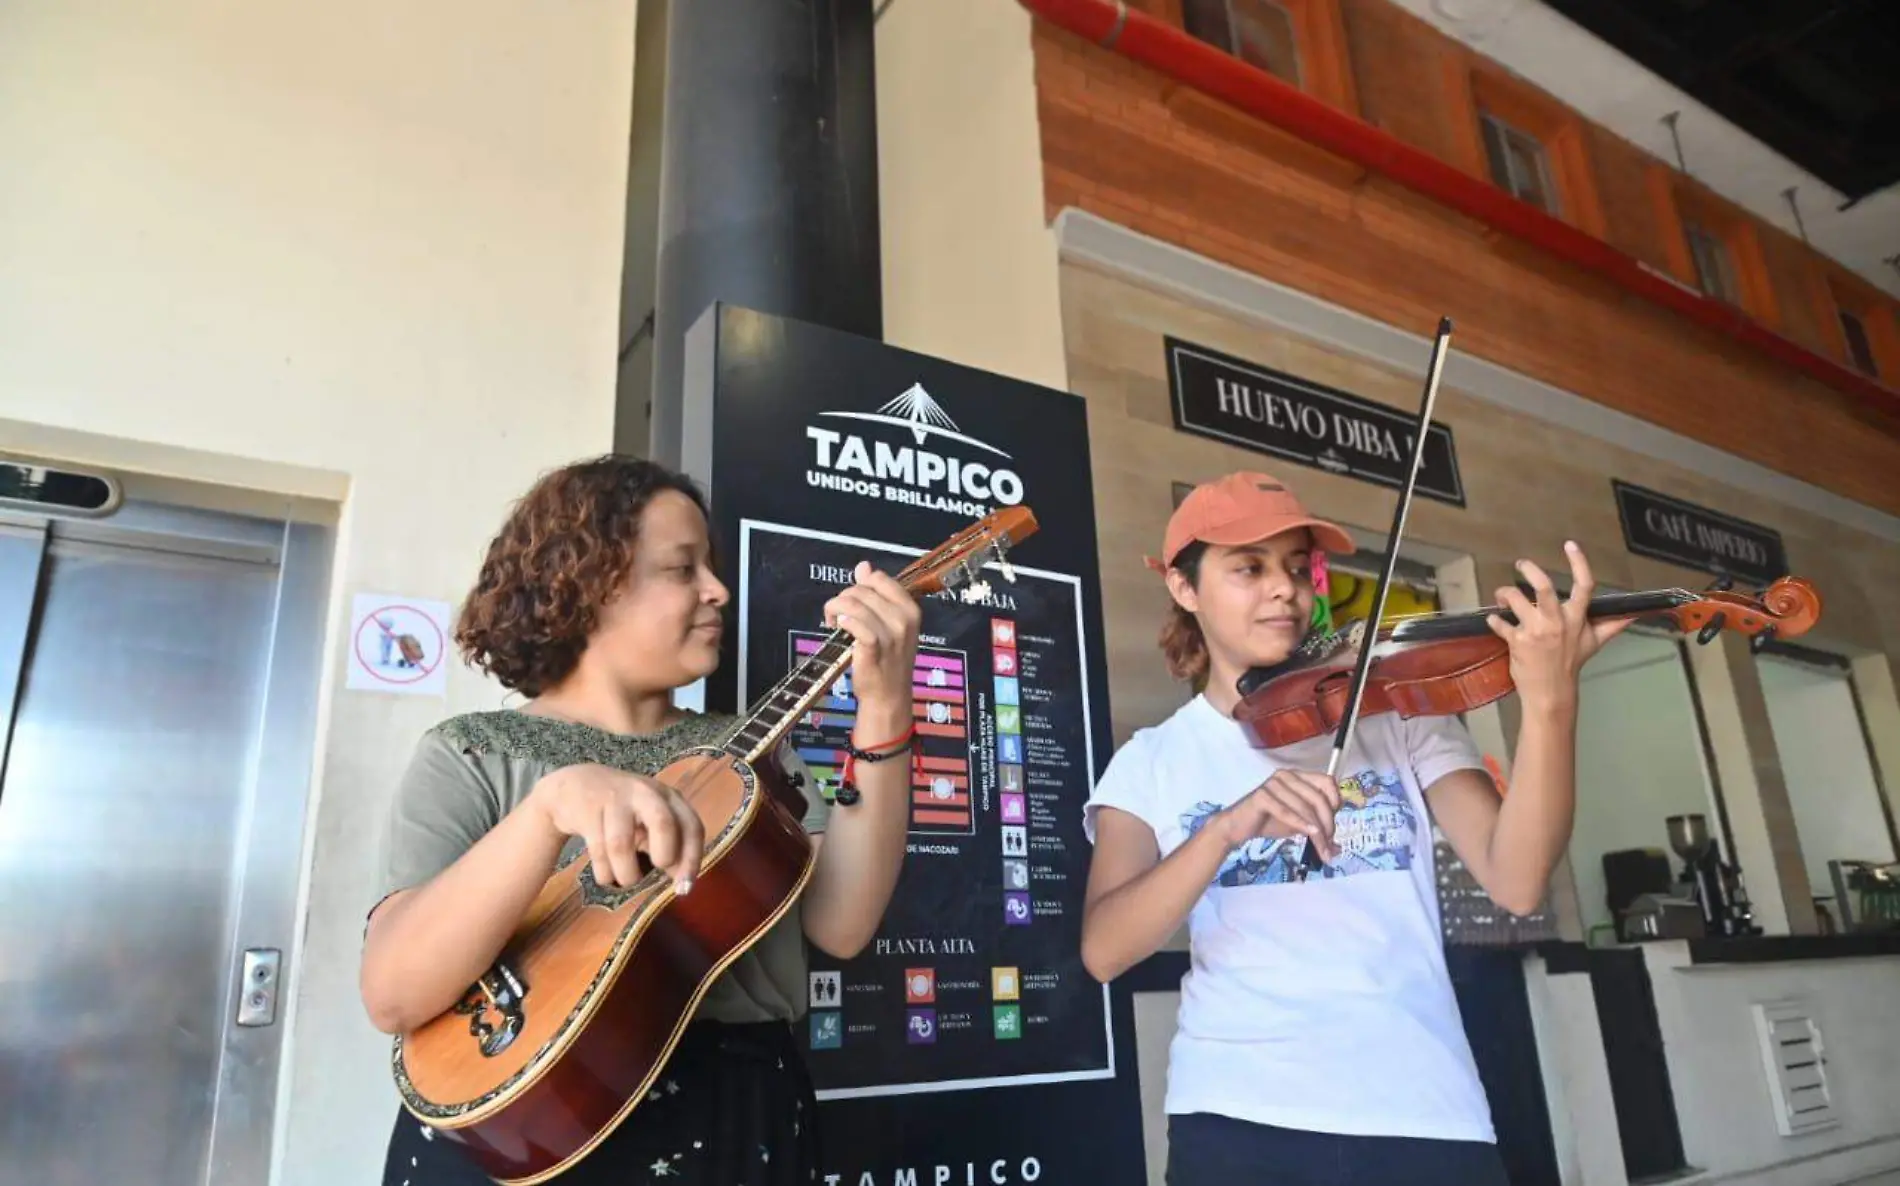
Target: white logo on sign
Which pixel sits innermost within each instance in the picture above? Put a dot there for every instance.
(911, 474)
(942, 789)
(825, 987)
(1015, 840)
(919, 413)
(936, 678)
(939, 712)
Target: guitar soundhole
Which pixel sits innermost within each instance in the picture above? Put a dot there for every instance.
(595, 894)
(494, 1008)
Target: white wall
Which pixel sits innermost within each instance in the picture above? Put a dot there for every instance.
(1824, 759)
(969, 260)
(1639, 760)
(353, 249)
(1721, 1085)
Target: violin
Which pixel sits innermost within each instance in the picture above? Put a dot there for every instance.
(1444, 664)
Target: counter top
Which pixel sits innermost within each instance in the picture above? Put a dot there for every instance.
(1568, 958)
(1761, 949)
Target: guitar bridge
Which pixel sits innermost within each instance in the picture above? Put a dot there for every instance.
(494, 1009)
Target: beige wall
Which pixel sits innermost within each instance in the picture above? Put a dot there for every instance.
(367, 253)
(969, 260)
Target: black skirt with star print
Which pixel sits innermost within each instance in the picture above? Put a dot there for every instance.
(734, 1107)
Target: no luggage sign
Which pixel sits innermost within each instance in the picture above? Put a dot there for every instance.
(397, 644)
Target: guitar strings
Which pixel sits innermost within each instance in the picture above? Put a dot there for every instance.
(570, 908)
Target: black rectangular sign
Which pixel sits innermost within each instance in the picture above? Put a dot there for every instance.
(1227, 399)
(967, 1043)
(1665, 528)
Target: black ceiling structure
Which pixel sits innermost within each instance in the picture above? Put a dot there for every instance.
(1816, 80)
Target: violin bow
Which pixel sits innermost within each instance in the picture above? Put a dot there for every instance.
(1309, 860)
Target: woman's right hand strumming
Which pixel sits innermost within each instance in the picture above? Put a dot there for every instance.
(619, 816)
(428, 943)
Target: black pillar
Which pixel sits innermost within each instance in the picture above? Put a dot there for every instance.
(768, 177)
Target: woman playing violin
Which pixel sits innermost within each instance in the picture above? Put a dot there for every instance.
(1318, 1039)
(598, 598)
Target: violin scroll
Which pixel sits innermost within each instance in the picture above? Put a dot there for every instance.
(1786, 609)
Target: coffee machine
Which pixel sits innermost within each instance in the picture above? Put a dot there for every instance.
(1717, 886)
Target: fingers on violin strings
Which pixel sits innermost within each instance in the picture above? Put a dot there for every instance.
(1544, 592)
(1519, 606)
(1583, 581)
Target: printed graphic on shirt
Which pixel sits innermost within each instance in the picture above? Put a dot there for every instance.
(1376, 832)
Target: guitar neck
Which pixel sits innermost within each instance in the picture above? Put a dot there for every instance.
(1470, 625)
(775, 712)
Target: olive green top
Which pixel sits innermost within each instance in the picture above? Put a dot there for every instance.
(470, 771)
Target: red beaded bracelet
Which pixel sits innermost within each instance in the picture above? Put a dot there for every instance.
(847, 793)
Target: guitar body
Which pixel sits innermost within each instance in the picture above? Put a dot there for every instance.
(569, 1029)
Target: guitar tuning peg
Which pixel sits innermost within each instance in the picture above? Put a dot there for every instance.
(1002, 560)
(1721, 584)
(1759, 642)
(976, 592)
(1708, 633)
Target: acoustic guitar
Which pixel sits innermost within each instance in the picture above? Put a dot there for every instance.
(565, 1034)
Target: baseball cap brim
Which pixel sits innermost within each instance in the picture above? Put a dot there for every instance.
(1253, 528)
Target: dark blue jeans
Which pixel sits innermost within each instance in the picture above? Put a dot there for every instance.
(1206, 1150)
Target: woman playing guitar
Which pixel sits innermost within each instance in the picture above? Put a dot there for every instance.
(596, 601)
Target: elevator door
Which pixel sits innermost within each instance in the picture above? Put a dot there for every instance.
(133, 801)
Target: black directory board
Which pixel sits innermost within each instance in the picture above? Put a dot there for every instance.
(967, 1042)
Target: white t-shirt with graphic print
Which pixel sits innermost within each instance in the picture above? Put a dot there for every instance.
(1321, 1005)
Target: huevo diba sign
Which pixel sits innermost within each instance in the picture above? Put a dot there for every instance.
(1228, 399)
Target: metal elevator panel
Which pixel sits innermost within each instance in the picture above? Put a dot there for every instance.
(125, 811)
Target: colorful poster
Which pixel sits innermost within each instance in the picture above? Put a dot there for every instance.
(975, 977)
(966, 1043)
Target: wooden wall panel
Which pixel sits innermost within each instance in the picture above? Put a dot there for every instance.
(1127, 144)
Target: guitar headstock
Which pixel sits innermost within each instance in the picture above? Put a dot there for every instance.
(957, 563)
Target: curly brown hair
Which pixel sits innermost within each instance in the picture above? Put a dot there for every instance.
(564, 551)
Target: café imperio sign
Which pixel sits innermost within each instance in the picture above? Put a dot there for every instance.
(1242, 403)
(1665, 528)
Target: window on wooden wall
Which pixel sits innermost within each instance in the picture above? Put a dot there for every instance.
(1526, 143)
(1860, 347)
(1518, 164)
(1712, 246)
(1301, 42)
(1869, 326)
(1713, 263)
(1258, 32)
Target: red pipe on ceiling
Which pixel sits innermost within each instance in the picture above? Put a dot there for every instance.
(1138, 36)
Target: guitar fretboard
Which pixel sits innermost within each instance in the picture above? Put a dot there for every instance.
(779, 708)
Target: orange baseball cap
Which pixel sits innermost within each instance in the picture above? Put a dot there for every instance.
(1240, 509)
